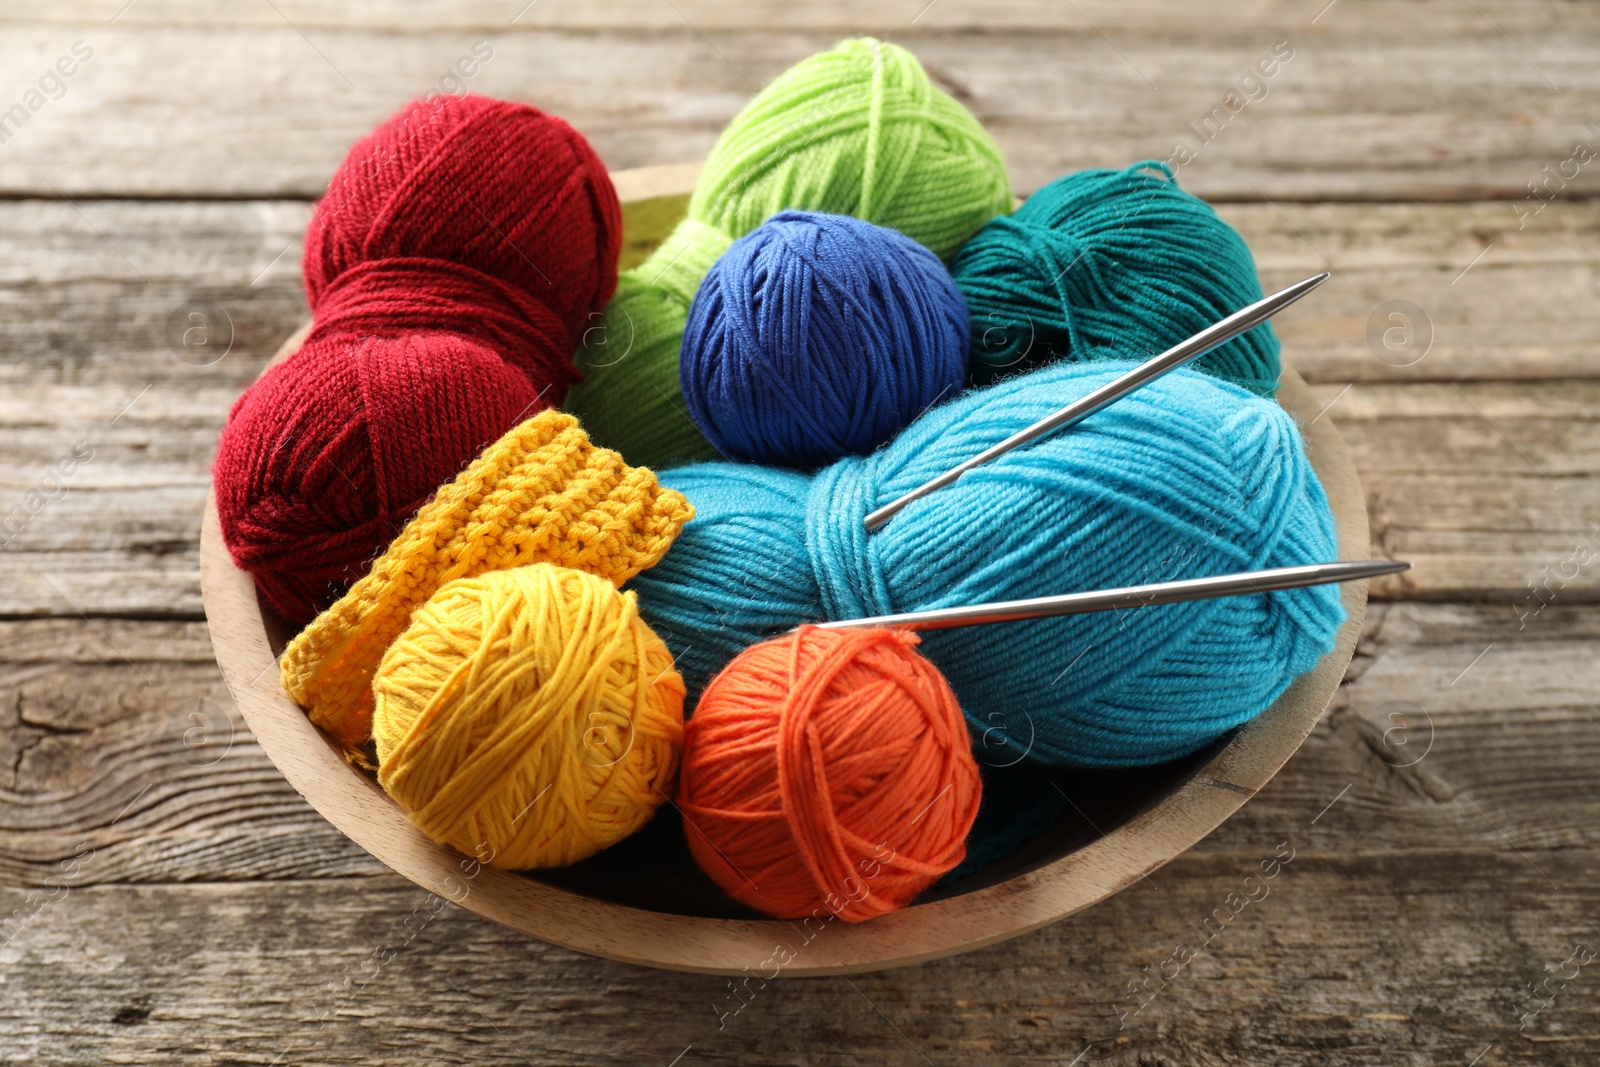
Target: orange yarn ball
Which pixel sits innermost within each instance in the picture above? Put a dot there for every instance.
(828, 770)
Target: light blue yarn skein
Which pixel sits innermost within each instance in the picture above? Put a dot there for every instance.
(1187, 477)
(818, 336)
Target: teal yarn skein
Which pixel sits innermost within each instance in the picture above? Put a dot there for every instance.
(1187, 477)
(1111, 264)
(817, 336)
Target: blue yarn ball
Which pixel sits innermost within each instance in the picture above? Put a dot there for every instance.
(818, 336)
(1111, 264)
(1187, 477)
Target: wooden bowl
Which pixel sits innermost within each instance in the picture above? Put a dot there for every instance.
(1122, 828)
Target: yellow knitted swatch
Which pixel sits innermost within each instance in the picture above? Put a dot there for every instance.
(528, 717)
(541, 493)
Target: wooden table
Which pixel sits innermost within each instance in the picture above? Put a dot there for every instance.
(165, 897)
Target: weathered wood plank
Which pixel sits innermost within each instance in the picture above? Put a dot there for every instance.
(101, 512)
(1346, 961)
(109, 420)
(1482, 485)
(1486, 487)
(1435, 107)
(1494, 297)
(1449, 712)
(98, 295)
(121, 737)
(840, 16)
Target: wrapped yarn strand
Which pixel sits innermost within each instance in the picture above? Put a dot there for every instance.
(818, 336)
(828, 772)
(450, 268)
(528, 717)
(1110, 264)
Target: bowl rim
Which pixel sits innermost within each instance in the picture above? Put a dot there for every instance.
(768, 948)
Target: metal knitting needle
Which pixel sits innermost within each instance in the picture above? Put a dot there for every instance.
(1145, 373)
(1133, 596)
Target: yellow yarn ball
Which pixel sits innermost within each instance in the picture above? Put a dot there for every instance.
(528, 717)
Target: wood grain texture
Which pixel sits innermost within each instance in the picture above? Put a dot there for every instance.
(1497, 303)
(1353, 960)
(1143, 17)
(1382, 101)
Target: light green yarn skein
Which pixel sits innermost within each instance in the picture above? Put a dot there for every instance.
(857, 130)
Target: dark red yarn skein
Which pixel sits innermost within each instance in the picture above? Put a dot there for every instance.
(451, 268)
